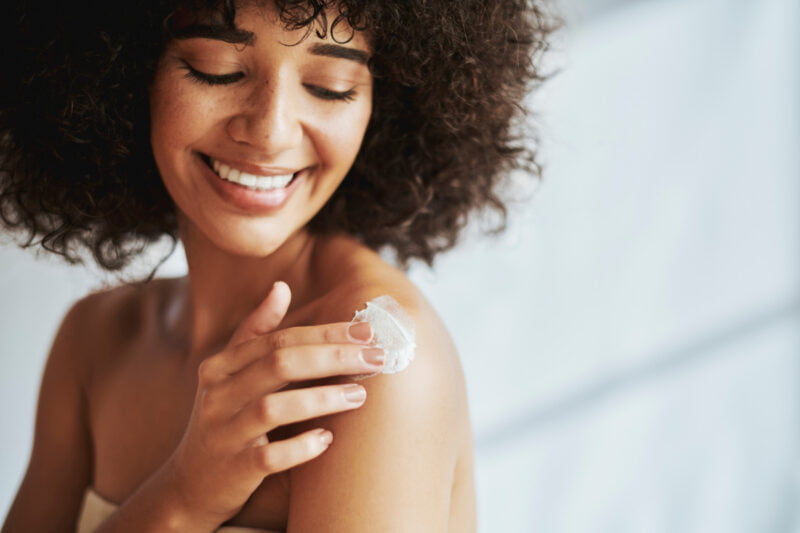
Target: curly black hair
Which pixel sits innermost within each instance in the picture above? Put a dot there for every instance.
(76, 166)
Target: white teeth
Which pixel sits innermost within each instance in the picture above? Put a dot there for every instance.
(247, 179)
(250, 180)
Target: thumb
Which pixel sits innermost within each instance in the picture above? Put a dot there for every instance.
(266, 317)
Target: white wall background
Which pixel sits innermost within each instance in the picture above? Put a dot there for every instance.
(632, 345)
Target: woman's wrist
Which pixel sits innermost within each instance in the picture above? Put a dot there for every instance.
(159, 506)
(177, 514)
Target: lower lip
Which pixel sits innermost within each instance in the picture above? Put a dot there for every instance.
(252, 200)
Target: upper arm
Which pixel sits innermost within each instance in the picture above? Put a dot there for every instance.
(390, 467)
(59, 468)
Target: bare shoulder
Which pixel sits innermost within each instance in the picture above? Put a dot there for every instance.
(365, 276)
(403, 445)
(60, 465)
(362, 275)
(90, 321)
(105, 320)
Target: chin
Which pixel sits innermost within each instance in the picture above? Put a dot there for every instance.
(259, 244)
(253, 245)
(246, 238)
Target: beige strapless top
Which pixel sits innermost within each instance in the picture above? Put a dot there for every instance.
(96, 509)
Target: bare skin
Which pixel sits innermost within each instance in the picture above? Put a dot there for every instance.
(139, 382)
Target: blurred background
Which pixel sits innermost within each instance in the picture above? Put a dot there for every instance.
(632, 343)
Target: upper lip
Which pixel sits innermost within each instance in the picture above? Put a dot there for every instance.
(252, 168)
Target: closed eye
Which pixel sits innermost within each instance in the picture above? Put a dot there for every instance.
(327, 94)
(227, 79)
(211, 79)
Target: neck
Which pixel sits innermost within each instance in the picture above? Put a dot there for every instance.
(222, 288)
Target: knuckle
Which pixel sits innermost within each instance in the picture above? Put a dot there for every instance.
(267, 410)
(282, 364)
(342, 355)
(326, 397)
(266, 459)
(206, 370)
(331, 334)
(315, 404)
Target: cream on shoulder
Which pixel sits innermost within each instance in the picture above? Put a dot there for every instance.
(393, 331)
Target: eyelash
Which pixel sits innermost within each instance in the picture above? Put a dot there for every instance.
(327, 94)
(227, 79)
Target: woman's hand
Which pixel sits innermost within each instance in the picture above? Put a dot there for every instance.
(224, 454)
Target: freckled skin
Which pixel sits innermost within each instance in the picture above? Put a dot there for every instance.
(271, 116)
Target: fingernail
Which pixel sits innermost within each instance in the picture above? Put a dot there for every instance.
(325, 436)
(360, 332)
(373, 356)
(355, 393)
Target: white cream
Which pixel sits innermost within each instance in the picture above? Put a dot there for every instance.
(393, 331)
(263, 183)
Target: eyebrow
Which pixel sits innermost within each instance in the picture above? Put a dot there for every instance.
(342, 52)
(219, 32)
(234, 35)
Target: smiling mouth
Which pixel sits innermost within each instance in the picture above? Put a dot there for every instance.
(245, 179)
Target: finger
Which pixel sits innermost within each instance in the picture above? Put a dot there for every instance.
(264, 414)
(299, 363)
(232, 361)
(266, 317)
(285, 454)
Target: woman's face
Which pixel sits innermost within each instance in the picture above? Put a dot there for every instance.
(252, 139)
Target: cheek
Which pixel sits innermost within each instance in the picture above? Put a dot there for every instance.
(177, 117)
(165, 112)
(343, 134)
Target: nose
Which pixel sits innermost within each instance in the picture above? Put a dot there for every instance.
(267, 120)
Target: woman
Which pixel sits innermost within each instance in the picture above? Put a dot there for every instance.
(282, 143)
